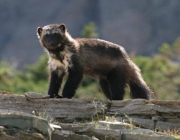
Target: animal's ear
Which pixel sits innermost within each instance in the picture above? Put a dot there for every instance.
(39, 30)
(62, 27)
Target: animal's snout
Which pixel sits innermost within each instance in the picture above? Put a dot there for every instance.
(52, 43)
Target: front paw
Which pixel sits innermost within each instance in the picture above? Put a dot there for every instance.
(55, 96)
(51, 96)
(58, 96)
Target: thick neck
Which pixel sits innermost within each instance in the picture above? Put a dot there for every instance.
(57, 53)
(57, 50)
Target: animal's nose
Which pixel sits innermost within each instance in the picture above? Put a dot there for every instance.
(51, 43)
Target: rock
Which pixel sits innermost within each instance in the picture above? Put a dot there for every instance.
(110, 130)
(4, 136)
(145, 123)
(67, 110)
(30, 136)
(166, 126)
(123, 127)
(39, 128)
(33, 95)
(114, 125)
(144, 107)
(154, 115)
(55, 127)
(68, 135)
(78, 127)
(145, 137)
(133, 119)
(108, 134)
(1, 129)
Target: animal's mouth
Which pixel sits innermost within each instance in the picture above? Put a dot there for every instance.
(53, 47)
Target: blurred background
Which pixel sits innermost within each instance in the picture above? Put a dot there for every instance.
(148, 30)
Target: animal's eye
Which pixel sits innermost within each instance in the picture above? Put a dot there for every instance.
(46, 37)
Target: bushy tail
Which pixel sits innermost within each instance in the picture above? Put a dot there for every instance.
(139, 89)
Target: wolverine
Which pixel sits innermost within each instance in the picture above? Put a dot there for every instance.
(103, 60)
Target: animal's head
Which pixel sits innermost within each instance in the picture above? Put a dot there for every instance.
(52, 36)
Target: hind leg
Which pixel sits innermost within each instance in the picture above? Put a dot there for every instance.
(139, 89)
(116, 82)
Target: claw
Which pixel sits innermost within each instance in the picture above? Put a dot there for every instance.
(58, 96)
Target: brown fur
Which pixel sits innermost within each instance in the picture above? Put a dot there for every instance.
(101, 59)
